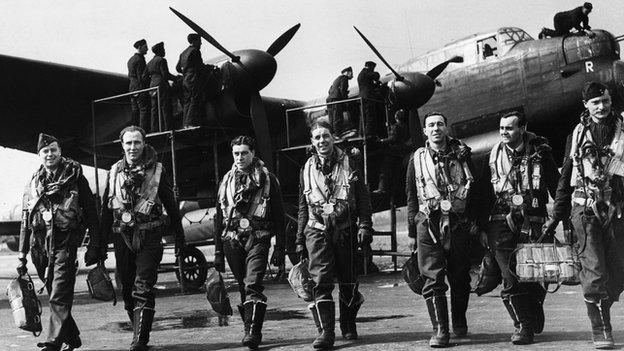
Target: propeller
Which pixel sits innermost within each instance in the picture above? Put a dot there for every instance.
(437, 70)
(411, 90)
(372, 47)
(283, 40)
(199, 30)
(255, 70)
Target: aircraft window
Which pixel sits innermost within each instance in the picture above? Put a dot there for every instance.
(488, 48)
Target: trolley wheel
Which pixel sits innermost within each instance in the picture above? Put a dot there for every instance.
(195, 269)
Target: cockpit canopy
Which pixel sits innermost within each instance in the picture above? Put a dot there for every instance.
(475, 48)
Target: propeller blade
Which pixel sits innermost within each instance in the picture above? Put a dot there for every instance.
(415, 128)
(205, 35)
(398, 76)
(283, 40)
(437, 70)
(261, 128)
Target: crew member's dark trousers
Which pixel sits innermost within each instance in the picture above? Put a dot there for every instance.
(602, 255)
(329, 260)
(504, 242)
(390, 168)
(62, 328)
(336, 117)
(435, 263)
(139, 104)
(166, 111)
(371, 118)
(138, 271)
(248, 267)
(193, 101)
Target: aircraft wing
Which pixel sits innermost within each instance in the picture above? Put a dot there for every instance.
(39, 96)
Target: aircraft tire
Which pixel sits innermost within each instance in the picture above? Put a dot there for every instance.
(195, 277)
(13, 243)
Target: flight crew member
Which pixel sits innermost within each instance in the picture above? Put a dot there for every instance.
(439, 205)
(132, 212)
(339, 90)
(591, 189)
(158, 71)
(564, 21)
(334, 217)
(396, 146)
(516, 183)
(55, 196)
(139, 80)
(191, 66)
(369, 86)
(250, 212)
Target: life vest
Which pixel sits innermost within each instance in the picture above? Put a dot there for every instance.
(584, 170)
(66, 213)
(315, 188)
(147, 208)
(432, 192)
(504, 174)
(258, 207)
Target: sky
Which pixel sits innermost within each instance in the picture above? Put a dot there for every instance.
(100, 34)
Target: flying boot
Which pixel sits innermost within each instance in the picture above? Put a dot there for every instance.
(538, 310)
(315, 316)
(600, 318)
(459, 305)
(247, 326)
(327, 315)
(254, 316)
(143, 318)
(519, 308)
(438, 313)
(348, 314)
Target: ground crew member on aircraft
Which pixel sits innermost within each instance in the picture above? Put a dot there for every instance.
(250, 212)
(591, 189)
(139, 80)
(57, 202)
(396, 146)
(369, 86)
(339, 90)
(158, 71)
(564, 21)
(334, 217)
(132, 212)
(440, 216)
(191, 66)
(515, 190)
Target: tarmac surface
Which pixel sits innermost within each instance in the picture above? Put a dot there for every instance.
(392, 317)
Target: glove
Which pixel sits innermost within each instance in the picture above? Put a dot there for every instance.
(365, 236)
(21, 268)
(550, 226)
(301, 252)
(277, 259)
(219, 262)
(92, 256)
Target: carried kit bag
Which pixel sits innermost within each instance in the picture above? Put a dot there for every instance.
(411, 274)
(100, 284)
(217, 295)
(300, 281)
(547, 263)
(25, 304)
(489, 277)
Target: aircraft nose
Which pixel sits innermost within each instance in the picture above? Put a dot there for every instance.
(618, 79)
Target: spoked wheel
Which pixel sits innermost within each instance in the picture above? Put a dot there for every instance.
(195, 269)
